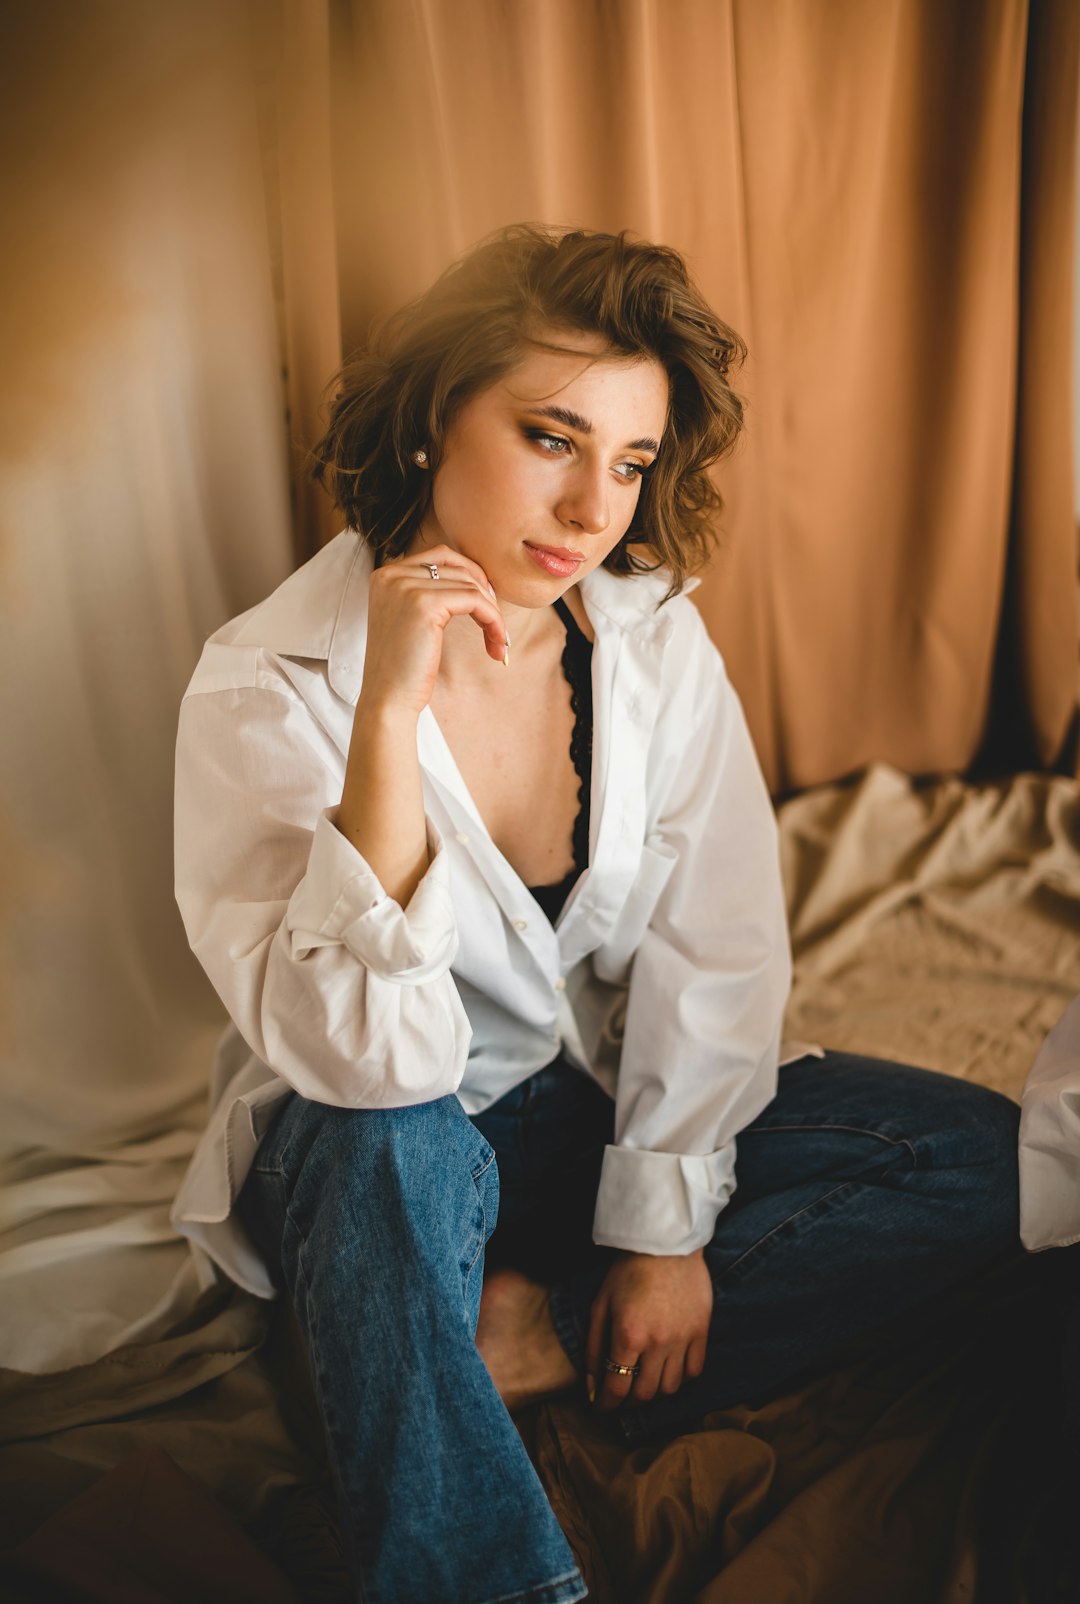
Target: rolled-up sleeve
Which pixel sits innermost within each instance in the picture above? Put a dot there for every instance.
(340, 991)
(708, 987)
(340, 901)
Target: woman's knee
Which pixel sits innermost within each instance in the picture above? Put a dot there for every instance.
(963, 1139)
(375, 1149)
(973, 1147)
(973, 1126)
(420, 1174)
(387, 1212)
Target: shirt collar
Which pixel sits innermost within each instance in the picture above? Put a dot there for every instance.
(631, 603)
(320, 611)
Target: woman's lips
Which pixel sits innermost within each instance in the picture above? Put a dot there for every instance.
(558, 560)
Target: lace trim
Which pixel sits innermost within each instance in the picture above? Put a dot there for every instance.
(577, 666)
(577, 669)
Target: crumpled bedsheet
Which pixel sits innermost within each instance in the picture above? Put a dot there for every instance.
(934, 922)
(937, 923)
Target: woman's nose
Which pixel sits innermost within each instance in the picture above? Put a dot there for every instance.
(584, 501)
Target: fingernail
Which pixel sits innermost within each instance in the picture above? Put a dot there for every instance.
(491, 588)
(590, 1388)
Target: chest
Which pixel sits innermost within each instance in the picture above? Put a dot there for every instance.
(512, 749)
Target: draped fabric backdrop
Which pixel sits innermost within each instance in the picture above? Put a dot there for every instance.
(204, 205)
(143, 499)
(881, 199)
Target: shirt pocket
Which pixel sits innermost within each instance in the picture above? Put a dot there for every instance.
(658, 859)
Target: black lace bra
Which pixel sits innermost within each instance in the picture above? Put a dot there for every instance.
(577, 666)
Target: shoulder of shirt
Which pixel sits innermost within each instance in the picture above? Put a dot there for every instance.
(320, 612)
(635, 602)
(636, 605)
(669, 643)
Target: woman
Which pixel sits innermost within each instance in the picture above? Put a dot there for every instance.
(472, 842)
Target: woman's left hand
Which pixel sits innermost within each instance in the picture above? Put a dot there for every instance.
(653, 1312)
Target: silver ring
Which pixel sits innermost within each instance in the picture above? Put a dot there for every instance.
(432, 569)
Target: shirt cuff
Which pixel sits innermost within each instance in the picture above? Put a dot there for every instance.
(662, 1203)
(1050, 1140)
(341, 902)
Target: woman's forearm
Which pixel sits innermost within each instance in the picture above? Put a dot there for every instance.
(409, 607)
(382, 805)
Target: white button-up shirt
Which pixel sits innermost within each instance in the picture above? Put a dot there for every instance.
(1050, 1140)
(664, 977)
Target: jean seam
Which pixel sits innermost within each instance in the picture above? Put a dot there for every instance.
(483, 1219)
(485, 1166)
(280, 1160)
(851, 1130)
(543, 1592)
(844, 1186)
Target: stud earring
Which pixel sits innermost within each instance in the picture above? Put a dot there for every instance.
(420, 458)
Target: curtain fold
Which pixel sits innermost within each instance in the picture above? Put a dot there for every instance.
(1033, 711)
(290, 43)
(143, 501)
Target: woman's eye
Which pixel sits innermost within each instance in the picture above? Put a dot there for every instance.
(550, 442)
(556, 445)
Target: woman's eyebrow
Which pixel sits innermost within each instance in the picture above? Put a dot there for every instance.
(574, 420)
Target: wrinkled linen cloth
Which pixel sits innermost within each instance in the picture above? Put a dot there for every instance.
(936, 923)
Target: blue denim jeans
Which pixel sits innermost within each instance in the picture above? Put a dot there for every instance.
(863, 1189)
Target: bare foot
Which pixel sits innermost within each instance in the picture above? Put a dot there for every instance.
(517, 1341)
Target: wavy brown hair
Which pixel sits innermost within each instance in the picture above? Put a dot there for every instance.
(472, 326)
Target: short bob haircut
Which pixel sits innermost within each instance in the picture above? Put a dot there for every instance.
(402, 389)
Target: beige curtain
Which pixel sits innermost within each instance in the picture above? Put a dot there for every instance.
(881, 198)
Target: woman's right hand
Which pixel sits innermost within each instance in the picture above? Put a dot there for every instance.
(408, 611)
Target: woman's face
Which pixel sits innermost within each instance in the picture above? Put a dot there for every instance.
(541, 472)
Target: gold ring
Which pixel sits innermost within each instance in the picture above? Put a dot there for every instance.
(621, 1370)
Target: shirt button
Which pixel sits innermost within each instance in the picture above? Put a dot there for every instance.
(521, 924)
(560, 984)
(462, 837)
